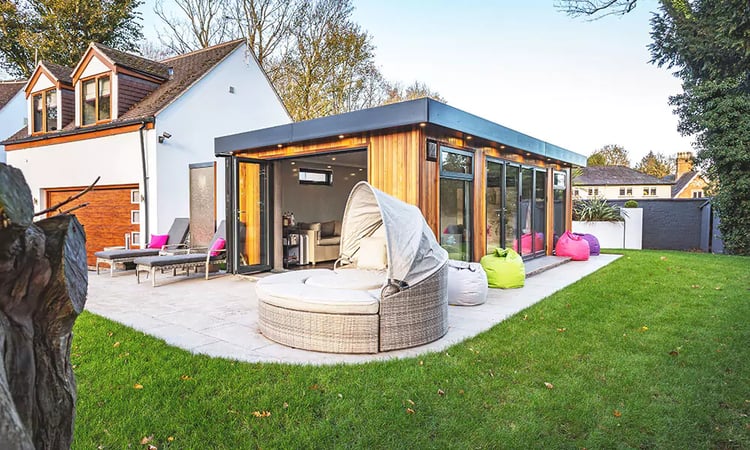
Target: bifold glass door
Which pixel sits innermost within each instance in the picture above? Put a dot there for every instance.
(251, 207)
(515, 208)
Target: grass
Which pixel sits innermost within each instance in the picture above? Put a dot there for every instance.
(649, 352)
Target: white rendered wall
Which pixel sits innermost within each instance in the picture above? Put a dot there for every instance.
(12, 118)
(115, 158)
(627, 234)
(206, 111)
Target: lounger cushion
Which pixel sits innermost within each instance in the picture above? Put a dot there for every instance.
(217, 246)
(127, 253)
(296, 276)
(355, 279)
(162, 261)
(304, 297)
(372, 254)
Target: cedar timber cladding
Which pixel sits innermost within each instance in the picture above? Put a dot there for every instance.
(131, 90)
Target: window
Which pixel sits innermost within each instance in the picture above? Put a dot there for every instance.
(456, 185)
(626, 192)
(45, 111)
(649, 192)
(593, 192)
(576, 193)
(135, 216)
(315, 176)
(698, 193)
(135, 196)
(96, 101)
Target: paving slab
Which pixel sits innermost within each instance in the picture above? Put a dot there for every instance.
(219, 317)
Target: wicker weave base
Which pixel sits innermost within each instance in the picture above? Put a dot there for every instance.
(415, 316)
(334, 333)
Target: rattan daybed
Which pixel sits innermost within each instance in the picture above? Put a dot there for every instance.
(355, 308)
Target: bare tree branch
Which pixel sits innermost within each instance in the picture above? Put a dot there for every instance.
(68, 200)
(596, 8)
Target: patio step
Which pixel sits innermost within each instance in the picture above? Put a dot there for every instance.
(539, 265)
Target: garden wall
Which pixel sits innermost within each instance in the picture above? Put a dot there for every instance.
(671, 224)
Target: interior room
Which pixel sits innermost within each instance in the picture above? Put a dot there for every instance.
(314, 190)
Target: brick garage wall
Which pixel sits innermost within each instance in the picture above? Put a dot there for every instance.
(671, 224)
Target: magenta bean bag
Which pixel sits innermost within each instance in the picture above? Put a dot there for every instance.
(593, 243)
(526, 243)
(575, 247)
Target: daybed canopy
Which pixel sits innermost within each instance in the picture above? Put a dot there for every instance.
(413, 252)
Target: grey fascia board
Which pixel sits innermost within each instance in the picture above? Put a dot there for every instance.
(456, 119)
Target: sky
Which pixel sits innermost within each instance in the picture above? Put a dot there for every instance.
(575, 83)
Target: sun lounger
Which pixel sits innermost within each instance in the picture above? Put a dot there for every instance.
(192, 258)
(177, 234)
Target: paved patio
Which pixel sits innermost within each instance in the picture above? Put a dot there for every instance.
(219, 317)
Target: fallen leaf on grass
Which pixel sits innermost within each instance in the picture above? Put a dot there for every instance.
(109, 334)
(185, 377)
(441, 392)
(643, 328)
(696, 286)
(170, 438)
(674, 353)
(562, 330)
(262, 413)
(285, 405)
(461, 392)
(663, 258)
(616, 413)
(410, 402)
(421, 363)
(152, 447)
(116, 344)
(137, 386)
(147, 439)
(549, 385)
(409, 411)
(718, 288)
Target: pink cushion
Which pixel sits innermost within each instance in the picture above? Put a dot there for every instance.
(158, 240)
(218, 245)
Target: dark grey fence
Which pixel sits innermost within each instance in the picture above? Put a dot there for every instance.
(679, 224)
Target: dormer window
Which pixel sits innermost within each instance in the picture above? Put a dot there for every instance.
(96, 100)
(44, 105)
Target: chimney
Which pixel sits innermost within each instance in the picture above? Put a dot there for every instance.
(684, 164)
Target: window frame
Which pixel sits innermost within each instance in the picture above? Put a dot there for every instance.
(82, 102)
(45, 122)
(327, 172)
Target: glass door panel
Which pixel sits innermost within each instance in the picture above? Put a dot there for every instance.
(525, 210)
(510, 213)
(252, 241)
(202, 204)
(559, 190)
(494, 206)
(539, 221)
(455, 219)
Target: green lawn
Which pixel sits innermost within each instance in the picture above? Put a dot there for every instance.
(652, 351)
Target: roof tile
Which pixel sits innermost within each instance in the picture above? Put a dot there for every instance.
(8, 90)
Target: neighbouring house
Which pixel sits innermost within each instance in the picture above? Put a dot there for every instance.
(687, 183)
(478, 184)
(624, 183)
(12, 110)
(619, 183)
(147, 129)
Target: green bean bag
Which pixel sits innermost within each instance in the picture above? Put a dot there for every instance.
(504, 269)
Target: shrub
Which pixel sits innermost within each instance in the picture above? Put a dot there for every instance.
(597, 210)
(631, 204)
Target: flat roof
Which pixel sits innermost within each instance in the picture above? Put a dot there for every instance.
(413, 112)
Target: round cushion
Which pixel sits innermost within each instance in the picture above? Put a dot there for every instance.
(357, 279)
(467, 283)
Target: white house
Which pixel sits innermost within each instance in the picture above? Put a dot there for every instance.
(619, 183)
(12, 110)
(147, 129)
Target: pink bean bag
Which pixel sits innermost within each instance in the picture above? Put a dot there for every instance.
(526, 243)
(594, 247)
(576, 247)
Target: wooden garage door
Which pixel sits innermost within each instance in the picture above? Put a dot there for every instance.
(106, 219)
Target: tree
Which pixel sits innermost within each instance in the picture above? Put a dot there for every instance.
(60, 30)
(609, 155)
(707, 43)
(656, 164)
(205, 23)
(397, 93)
(596, 8)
